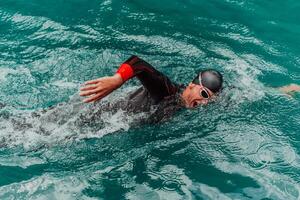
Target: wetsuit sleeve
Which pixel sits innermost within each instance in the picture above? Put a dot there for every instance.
(157, 84)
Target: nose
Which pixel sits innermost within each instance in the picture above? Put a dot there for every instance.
(191, 85)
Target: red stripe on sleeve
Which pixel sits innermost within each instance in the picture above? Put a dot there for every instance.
(126, 71)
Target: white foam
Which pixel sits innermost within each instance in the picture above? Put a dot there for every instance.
(244, 76)
(209, 192)
(65, 84)
(47, 186)
(67, 121)
(4, 72)
(20, 161)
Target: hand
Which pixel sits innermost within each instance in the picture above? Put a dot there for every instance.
(290, 88)
(100, 88)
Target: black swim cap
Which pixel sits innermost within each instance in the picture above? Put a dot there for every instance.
(211, 79)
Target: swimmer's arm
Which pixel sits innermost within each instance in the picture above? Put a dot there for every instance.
(154, 81)
(289, 89)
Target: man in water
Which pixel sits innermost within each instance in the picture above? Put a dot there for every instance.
(158, 89)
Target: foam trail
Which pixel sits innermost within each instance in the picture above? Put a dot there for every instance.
(67, 121)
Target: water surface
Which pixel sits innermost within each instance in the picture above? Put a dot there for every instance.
(243, 146)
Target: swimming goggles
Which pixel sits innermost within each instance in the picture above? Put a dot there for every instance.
(203, 92)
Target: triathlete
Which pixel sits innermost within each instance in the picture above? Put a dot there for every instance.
(158, 89)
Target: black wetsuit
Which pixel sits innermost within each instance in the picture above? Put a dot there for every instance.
(159, 94)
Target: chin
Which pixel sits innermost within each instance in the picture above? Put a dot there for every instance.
(191, 105)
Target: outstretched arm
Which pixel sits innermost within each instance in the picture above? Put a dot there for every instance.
(290, 89)
(157, 84)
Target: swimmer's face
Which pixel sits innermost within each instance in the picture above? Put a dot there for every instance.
(195, 95)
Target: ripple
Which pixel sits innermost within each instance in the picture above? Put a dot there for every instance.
(171, 185)
(24, 22)
(164, 44)
(45, 53)
(272, 154)
(292, 189)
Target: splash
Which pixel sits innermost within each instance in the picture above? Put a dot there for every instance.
(68, 121)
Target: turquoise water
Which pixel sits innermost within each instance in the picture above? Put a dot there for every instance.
(243, 146)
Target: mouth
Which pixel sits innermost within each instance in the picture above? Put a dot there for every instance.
(194, 104)
(191, 102)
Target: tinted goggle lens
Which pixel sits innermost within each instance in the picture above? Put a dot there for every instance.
(204, 94)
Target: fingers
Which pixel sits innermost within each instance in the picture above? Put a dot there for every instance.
(88, 88)
(92, 81)
(98, 88)
(90, 92)
(94, 98)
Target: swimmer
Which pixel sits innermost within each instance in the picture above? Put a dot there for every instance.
(158, 89)
(156, 86)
